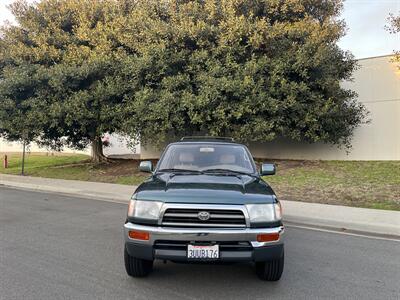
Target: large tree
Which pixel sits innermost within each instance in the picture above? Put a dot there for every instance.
(73, 45)
(253, 69)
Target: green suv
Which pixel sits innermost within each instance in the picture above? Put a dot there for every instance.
(205, 201)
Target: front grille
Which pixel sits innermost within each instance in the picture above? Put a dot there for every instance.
(185, 217)
(182, 245)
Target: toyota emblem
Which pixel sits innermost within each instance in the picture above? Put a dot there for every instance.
(203, 215)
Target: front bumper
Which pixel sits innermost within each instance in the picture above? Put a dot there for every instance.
(255, 251)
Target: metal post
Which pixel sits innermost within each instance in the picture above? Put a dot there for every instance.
(5, 161)
(23, 157)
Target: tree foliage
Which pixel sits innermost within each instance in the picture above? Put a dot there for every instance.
(72, 44)
(394, 23)
(252, 69)
(19, 110)
(394, 28)
(255, 70)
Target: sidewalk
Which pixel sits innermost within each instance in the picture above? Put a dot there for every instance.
(382, 222)
(94, 190)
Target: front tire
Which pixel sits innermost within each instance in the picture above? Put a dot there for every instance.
(137, 267)
(270, 270)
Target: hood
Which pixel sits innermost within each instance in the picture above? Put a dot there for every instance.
(209, 189)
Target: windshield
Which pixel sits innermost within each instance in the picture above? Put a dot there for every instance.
(207, 157)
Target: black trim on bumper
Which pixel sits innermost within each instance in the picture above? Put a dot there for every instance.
(256, 254)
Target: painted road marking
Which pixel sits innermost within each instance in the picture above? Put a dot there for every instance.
(343, 232)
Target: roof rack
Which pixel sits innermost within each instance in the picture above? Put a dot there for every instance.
(220, 138)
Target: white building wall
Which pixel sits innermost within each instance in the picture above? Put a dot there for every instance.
(149, 152)
(9, 147)
(119, 147)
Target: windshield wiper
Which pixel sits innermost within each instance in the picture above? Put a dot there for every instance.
(177, 170)
(227, 171)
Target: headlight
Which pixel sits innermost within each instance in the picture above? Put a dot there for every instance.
(260, 213)
(144, 209)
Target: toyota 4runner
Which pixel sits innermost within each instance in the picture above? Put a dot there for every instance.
(205, 201)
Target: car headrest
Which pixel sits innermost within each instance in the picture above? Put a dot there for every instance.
(186, 157)
(227, 159)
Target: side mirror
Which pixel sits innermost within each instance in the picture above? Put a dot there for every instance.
(146, 166)
(267, 169)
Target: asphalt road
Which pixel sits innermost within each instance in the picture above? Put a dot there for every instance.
(59, 247)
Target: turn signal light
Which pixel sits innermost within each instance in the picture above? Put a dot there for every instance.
(139, 235)
(268, 237)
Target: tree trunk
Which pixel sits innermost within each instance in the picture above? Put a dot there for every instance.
(97, 150)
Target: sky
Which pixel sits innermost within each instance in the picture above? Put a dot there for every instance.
(366, 35)
(365, 19)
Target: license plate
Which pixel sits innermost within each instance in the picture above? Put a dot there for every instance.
(203, 252)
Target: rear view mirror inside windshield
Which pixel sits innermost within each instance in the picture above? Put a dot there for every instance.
(206, 149)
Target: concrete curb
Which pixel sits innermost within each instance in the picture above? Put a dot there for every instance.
(92, 190)
(343, 218)
(335, 217)
(63, 191)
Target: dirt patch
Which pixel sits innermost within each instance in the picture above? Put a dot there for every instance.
(121, 167)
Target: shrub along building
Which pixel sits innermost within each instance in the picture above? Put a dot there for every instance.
(377, 83)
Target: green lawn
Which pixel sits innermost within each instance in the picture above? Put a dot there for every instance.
(76, 167)
(38, 162)
(373, 184)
